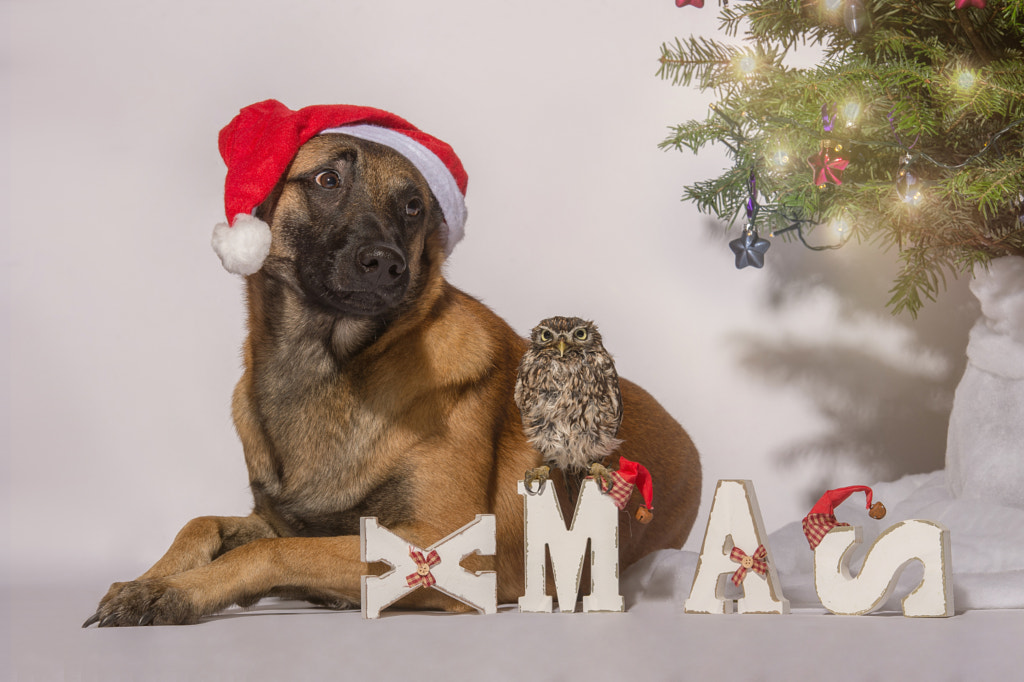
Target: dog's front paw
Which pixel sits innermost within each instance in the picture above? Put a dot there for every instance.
(144, 602)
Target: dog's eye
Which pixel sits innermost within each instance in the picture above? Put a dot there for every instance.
(414, 207)
(580, 334)
(328, 179)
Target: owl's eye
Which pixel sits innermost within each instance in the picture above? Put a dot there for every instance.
(414, 207)
(580, 334)
(328, 179)
(545, 335)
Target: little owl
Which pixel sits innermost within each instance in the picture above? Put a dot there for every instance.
(568, 394)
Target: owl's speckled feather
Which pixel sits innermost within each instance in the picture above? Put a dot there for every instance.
(568, 394)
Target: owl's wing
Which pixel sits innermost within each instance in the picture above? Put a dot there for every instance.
(612, 387)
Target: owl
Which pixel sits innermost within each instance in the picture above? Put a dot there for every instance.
(568, 394)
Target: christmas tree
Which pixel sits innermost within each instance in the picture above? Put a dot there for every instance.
(908, 134)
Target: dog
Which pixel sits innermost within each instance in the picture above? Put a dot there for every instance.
(373, 387)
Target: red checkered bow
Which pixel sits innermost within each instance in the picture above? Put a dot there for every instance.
(816, 526)
(757, 563)
(423, 576)
(619, 490)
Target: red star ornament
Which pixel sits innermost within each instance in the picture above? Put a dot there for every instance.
(960, 4)
(693, 3)
(827, 169)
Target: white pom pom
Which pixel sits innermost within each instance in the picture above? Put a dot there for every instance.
(244, 246)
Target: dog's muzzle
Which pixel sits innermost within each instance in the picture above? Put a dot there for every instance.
(370, 279)
(380, 265)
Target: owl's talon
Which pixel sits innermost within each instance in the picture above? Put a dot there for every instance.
(540, 474)
(602, 476)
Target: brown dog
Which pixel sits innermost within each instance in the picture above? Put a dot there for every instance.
(372, 387)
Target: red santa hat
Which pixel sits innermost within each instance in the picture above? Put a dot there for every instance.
(822, 517)
(262, 140)
(632, 474)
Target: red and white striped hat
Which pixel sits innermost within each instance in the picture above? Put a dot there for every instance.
(262, 140)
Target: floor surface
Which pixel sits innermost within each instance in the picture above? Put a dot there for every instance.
(653, 640)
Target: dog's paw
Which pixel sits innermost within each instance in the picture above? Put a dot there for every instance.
(143, 602)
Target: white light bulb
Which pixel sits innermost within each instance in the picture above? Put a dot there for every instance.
(851, 111)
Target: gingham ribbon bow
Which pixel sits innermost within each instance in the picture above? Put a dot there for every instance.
(619, 490)
(758, 563)
(422, 576)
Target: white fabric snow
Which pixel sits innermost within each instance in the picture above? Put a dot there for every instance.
(985, 446)
(987, 546)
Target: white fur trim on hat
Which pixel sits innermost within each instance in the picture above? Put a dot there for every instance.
(439, 178)
(243, 246)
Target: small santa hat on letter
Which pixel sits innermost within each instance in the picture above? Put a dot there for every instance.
(632, 474)
(822, 517)
(262, 140)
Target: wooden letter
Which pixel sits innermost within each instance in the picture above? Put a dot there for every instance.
(734, 522)
(437, 566)
(596, 519)
(894, 549)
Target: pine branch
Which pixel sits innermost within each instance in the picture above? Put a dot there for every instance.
(935, 92)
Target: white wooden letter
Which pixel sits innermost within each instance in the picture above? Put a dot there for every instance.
(479, 590)
(734, 521)
(596, 518)
(907, 541)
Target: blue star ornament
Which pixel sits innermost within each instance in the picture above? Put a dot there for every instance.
(749, 249)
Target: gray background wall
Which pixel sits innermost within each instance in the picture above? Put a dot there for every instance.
(121, 332)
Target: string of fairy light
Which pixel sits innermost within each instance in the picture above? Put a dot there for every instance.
(828, 165)
(750, 248)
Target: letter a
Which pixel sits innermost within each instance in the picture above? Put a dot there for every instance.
(732, 546)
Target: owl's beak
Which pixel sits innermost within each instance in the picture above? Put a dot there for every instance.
(561, 347)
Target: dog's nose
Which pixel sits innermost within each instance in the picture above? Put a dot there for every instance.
(380, 264)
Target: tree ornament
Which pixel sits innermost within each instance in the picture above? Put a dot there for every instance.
(693, 3)
(826, 168)
(749, 249)
(856, 17)
(960, 4)
(908, 185)
(828, 117)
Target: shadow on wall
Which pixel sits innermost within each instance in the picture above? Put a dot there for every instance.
(882, 416)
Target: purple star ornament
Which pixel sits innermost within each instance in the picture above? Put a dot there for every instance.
(749, 249)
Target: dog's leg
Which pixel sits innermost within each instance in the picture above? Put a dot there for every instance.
(201, 541)
(327, 568)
